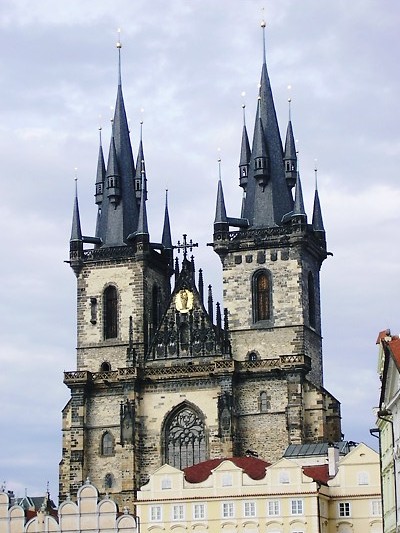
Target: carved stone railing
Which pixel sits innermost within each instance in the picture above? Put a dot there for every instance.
(109, 376)
(76, 377)
(263, 233)
(189, 369)
(112, 252)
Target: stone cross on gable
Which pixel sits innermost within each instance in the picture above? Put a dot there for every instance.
(185, 246)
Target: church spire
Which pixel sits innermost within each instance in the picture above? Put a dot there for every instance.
(317, 222)
(298, 210)
(166, 238)
(290, 156)
(143, 228)
(245, 154)
(100, 174)
(220, 210)
(119, 213)
(76, 240)
(268, 197)
(140, 188)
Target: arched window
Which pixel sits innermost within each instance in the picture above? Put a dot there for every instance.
(185, 439)
(107, 444)
(311, 301)
(110, 313)
(265, 402)
(262, 296)
(252, 356)
(108, 481)
(105, 366)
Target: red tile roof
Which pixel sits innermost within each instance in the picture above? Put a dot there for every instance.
(254, 468)
(317, 473)
(382, 335)
(394, 346)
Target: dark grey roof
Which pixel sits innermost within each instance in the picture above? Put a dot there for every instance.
(298, 209)
(220, 210)
(315, 449)
(166, 238)
(317, 222)
(143, 228)
(266, 206)
(100, 175)
(290, 145)
(245, 152)
(76, 232)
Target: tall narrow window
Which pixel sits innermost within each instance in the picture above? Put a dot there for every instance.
(107, 444)
(110, 312)
(265, 403)
(311, 301)
(185, 440)
(262, 296)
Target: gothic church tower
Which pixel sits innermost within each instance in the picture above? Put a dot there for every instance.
(162, 376)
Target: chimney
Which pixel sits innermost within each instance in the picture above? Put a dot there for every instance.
(333, 459)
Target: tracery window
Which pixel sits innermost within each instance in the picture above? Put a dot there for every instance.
(185, 439)
(311, 300)
(262, 296)
(110, 312)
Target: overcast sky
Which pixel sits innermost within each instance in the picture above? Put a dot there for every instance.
(185, 64)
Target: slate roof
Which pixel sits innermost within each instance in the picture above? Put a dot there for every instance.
(253, 467)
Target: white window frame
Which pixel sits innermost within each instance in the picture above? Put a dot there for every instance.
(249, 509)
(273, 507)
(363, 478)
(284, 477)
(344, 509)
(376, 508)
(166, 483)
(297, 507)
(178, 512)
(199, 511)
(226, 480)
(228, 510)
(155, 513)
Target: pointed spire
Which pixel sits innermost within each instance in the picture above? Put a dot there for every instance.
(119, 212)
(76, 232)
(220, 210)
(166, 238)
(290, 157)
(100, 174)
(76, 240)
(317, 222)
(265, 206)
(143, 228)
(140, 190)
(298, 210)
(245, 154)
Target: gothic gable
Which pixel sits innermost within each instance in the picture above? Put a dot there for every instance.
(186, 330)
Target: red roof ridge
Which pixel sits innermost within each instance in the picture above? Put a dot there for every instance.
(252, 466)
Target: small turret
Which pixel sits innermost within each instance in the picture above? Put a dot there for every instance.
(142, 234)
(290, 156)
(140, 174)
(76, 240)
(261, 160)
(166, 239)
(245, 154)
(317, 222)
(299, 213)
(100, 175)
(113, 177)
(221, 220)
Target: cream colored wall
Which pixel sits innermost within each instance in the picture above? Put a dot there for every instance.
(87, 515)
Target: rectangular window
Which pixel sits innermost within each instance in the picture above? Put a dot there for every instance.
(344, 509)
(228, 510)
(376, 508)
(249, 509)
(297, 506)
(178, 512)
(155, 513)
(227, 480)
(166, 483)
(274, 508)
(199, 511)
